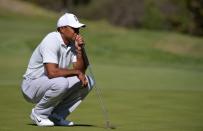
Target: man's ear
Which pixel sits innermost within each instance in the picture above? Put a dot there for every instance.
(60, 29)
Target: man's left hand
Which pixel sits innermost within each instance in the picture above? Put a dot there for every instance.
(79, 42)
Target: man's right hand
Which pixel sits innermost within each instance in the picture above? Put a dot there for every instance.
(82, 78)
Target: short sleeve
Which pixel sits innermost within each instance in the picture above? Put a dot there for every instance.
(73, 53)
(74, 58)
(49, 50)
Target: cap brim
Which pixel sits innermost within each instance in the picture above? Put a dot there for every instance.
(79, 25)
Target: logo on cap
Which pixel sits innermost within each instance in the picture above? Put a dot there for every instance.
(76, 19)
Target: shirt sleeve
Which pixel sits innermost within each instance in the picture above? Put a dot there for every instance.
(74, 54)
(73, 58)
(49, 50)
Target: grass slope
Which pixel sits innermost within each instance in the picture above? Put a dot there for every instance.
(151, 81)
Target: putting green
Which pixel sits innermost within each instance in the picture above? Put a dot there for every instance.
(148, 99)
(147, 85)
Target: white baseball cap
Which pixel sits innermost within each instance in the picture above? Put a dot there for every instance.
(69, 19)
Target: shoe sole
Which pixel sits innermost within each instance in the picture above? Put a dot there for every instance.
(34, 121)
(32, 118)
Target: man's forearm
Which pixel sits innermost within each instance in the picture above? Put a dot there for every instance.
(80, 64)
(63, 73)
(53, 71)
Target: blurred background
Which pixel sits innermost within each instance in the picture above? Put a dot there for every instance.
(147, 56)
(183, 15)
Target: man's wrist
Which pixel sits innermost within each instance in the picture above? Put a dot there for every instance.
(79, 50)
(79, 53)
(77, 72)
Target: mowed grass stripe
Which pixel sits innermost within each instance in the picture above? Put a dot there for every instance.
(129, 110)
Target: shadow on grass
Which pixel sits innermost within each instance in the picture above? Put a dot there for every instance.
(75, 125)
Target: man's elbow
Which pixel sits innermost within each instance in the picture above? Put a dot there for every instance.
(51, 70)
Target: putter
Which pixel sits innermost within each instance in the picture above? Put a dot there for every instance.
(98, 92)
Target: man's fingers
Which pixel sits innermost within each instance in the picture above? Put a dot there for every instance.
(79, 39)
(85, 82)
(79, 42)
(77, 46)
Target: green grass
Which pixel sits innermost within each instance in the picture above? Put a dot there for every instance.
(147, 99)
(150, 80)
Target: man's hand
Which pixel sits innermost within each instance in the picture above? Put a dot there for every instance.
(79, 42)
(80, 64)
(83, 79)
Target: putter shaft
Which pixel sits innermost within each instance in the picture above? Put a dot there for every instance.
(98, 91)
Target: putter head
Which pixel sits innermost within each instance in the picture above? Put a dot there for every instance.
(109, 126)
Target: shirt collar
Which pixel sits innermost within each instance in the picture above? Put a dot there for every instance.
(59, 37)
(62, 42)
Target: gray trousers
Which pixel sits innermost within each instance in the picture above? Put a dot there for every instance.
(58, 95)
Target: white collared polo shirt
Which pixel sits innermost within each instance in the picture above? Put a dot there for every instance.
(52, 49)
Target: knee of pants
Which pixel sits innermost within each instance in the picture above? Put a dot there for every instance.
(60, 86)
(73, 80)
(91, 82)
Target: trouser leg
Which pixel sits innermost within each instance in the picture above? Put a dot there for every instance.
(73, 98)
(47, 93)
(52, 97)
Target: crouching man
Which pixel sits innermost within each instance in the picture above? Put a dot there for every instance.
(55, 79)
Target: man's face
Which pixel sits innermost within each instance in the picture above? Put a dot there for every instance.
(69, 33)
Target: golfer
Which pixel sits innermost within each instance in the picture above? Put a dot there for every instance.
(55, 79)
